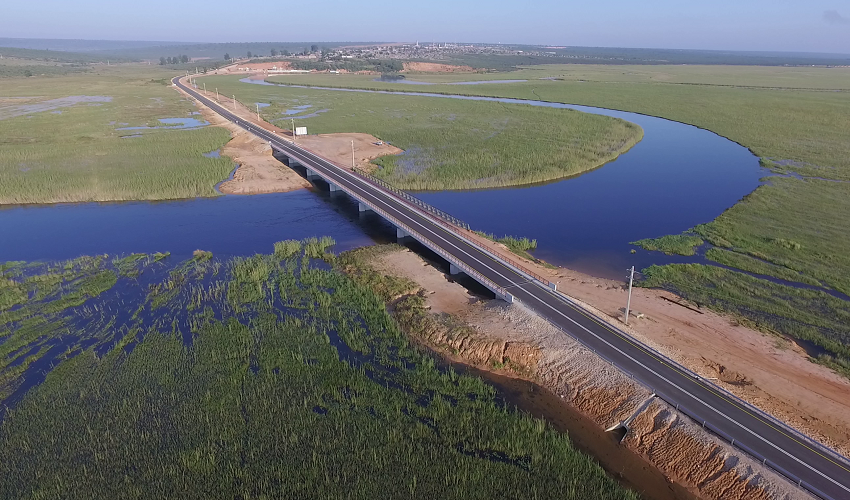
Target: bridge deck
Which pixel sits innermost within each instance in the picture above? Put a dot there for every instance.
(804, 461)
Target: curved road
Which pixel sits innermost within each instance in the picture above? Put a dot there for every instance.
(802, 460)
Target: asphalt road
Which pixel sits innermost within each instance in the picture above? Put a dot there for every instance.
(805, 462)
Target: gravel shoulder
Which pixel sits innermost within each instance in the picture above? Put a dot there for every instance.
(546, 372)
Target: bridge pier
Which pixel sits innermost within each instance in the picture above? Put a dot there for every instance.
(335, 190)
(453, 270)
(311, 175)
(401, 234)
(293, 162)
(363, 208)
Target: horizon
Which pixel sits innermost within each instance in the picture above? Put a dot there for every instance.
(173, 43)
(757, 26)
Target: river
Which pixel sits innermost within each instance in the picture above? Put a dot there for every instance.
(678, 176)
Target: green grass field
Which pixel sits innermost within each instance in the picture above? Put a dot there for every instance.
(75, 153)
(249, 378)
(451, 144)
(795, 119)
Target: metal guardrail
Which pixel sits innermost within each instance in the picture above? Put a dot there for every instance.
(709, 426)
(436, 248)
(767, 416)
(453, 221)
(414, 200)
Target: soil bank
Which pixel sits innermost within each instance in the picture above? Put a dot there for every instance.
(770, 372)
(547, 373)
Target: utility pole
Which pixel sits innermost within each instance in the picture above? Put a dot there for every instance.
(205, 88)
(293, 129)
(216, 94)
(629, 300)
(352, 155)
(258, 111)
(234, 103)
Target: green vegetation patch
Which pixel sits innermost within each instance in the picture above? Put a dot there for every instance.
(452, 144)
(75, 153)
(518, 245)
(798, 313)
(792, 224)
(309, 389)
(680, 244)
(756, 266)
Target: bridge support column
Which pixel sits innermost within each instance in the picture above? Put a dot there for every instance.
(363, 208)
(293, 162)
(311, 175)
(400, 234)
(335, 190)
(453, 270)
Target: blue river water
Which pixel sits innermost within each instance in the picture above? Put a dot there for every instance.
(678, 176)
(226, 226)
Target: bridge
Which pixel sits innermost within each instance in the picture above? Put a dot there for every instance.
(803, 461)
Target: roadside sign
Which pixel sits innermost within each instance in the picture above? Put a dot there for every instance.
(300, 130)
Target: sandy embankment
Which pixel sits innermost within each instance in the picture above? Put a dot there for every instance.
(768, 371)
(665, 455)
(260, 172)
(772, 373)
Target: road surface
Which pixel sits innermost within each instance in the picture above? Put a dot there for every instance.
(800, 459)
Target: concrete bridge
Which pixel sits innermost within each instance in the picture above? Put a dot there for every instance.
(805, 462)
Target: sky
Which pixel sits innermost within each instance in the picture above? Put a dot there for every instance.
(757, 25)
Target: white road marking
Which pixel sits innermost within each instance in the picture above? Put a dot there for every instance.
(373, 190)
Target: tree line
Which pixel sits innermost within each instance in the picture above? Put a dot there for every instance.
(173, 60)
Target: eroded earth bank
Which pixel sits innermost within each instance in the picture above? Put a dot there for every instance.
(544, 371)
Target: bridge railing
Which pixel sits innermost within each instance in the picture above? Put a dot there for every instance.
(694, 417)
(454, 222)
(414, 200)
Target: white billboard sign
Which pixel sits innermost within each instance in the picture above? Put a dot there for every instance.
(300, 130)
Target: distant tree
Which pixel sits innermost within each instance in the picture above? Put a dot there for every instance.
(249, 54)
(314, 48)
(27, 73)
(162, 61)
(226, 56)
(184, 58)
(286, 53)
(274, 52)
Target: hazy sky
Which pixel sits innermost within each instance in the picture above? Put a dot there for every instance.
(785, 25)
